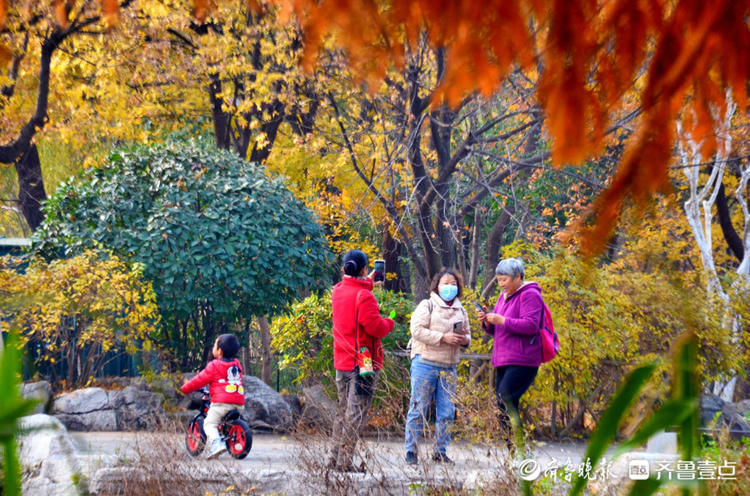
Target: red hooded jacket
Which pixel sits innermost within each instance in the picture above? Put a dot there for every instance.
(224, 377)
(348, 296)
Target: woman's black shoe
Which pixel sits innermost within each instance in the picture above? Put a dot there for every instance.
(442, 458)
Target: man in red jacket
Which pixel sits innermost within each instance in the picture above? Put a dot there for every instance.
(356, 324)
(224, 377)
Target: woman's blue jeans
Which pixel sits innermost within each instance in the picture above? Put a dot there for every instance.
(428, 383)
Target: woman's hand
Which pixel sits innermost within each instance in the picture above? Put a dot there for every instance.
(371, 276)
(453, 339)
(494, 318)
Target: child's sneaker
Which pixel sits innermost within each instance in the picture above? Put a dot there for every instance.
(216, 448)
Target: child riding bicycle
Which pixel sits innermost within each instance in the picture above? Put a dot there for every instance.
(224, 377)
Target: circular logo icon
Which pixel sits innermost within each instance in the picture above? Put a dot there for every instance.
(529, 469)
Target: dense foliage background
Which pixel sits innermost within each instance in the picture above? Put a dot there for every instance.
(220, 239)
(238, 178)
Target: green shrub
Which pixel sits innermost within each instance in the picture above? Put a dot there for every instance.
(220, 239)
(303, 336)
(304, 339)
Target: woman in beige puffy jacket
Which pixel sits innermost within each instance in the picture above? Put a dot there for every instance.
(439, 327)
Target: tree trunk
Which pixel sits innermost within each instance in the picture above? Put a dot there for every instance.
(246, 349)
(265, 342)
(699, 213)
(270, 129)
(23, 153)
(445, 235)
(474, 250)
(31, 192)
(421, 287)
(209, 330)
(494, 240)
(725, 221)
(221, 119)
(441, 121)
(391, 255)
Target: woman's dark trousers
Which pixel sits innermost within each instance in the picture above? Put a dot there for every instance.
(511, 381)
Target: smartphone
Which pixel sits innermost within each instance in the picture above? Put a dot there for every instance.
(479, 307)
(458, 327)
(379, 269)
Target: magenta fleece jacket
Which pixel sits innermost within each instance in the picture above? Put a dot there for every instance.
(518, 341)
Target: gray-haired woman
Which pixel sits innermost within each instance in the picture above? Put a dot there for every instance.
(514, 325)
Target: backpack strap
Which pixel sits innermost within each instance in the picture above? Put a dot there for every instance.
(541, 324)
(429, 307)
(356, 327)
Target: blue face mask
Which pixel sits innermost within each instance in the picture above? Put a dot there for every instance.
(448, 292)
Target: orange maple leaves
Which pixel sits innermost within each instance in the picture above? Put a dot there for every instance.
(700, 52)
(589, 53)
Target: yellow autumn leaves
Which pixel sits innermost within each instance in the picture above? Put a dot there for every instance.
(89, 301)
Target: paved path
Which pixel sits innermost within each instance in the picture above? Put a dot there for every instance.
(286, 464)
(275, 451)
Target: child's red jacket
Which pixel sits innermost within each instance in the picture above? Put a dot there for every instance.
(225, 381)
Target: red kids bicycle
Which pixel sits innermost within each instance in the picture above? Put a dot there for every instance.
(233, 431)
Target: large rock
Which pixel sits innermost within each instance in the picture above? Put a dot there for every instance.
(319, 410)
(710, 408)
(101, 420)
(40, 391)
(86, 409)
(82, 401)
(117, 382)
(264, 407)
(738, 425)
(137, 409)
(166, 388)
(190, 401)
(295, 405)
(94, 409)
(729, 415)
(48, 458)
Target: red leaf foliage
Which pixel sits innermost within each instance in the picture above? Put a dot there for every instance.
(590, 51)
(62, 9)
(111, 12)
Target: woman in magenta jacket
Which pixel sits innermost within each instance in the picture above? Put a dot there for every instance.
(517, 349)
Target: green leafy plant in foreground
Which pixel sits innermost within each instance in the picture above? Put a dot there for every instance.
(12, 407)
(680, 412)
